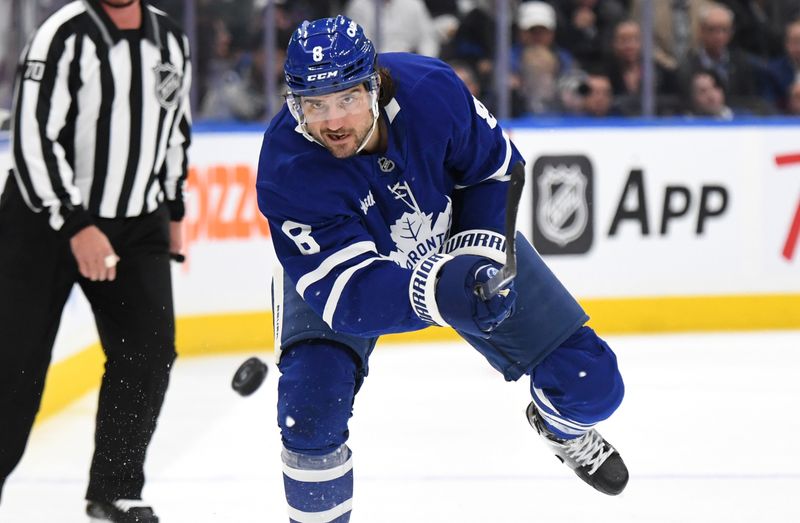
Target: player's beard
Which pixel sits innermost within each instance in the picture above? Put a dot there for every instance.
(345, 149)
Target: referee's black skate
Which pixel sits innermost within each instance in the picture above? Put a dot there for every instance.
(121, 511)
(592, 458)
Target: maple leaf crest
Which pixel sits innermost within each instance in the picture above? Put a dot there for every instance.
(413, 230)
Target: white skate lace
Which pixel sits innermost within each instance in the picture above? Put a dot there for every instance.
(590, 450)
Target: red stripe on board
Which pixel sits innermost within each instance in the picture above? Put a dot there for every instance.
(794, 233)
(787, 159)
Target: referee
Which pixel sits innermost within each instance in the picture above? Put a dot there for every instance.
(100, 131)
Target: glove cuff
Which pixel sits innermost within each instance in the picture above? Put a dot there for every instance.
(478, 242)
(422, 289)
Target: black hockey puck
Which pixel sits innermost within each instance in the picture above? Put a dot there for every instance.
(249, 376)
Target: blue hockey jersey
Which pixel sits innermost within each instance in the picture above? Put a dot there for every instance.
(349, 231)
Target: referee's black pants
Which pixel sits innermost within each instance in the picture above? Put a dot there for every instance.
(135, 322)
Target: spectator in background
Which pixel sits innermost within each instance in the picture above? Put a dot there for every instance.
(307, 10)
(676, 25)
(539, 69)
(217, 72)
(793, 105)
(474, 41)
(625, 70)
(536, 60)
(445, 15)
(584, 27)
(760, 24)
(785, 70)
(598, 97)
(174, 8)
(442, 7)
(468, 76)
(240, 95)
(707, 96)
(735, 71)
(406, 25)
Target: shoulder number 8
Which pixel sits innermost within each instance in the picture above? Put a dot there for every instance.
(484, 113)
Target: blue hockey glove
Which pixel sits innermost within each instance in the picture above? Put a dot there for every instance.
(460, 305)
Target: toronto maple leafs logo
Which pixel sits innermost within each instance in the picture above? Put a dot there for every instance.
(417, 234)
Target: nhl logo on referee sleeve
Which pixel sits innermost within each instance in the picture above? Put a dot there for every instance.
(562, 205)
(168, 84)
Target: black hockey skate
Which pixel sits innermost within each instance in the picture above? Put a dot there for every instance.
(592, 458)
(121, 511)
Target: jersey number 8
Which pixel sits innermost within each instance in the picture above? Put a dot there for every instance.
(300, 234)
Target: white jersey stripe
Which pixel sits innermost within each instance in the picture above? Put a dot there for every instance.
(318, 476)
(155, 196)
(501, 174)
(119, 143)
(331, 262)
(31, 143)
(338, 288)
(175, 155)
(321, 517)
(89, 98)
(59, 106)
(150, 115)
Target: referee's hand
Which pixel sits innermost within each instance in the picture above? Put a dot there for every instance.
(96, 258)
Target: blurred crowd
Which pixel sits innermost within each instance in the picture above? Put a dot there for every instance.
(720, 59)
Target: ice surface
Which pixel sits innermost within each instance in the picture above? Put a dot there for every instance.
(708, 428)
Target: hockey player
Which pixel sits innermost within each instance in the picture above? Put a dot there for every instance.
(384, 182)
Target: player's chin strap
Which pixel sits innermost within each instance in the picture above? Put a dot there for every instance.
(373, 93)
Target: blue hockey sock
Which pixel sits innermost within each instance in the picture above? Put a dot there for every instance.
(319, 489)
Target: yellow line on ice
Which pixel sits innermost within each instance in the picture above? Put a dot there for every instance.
(71, 378)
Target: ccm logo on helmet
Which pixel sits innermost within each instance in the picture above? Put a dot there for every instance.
(322, 76)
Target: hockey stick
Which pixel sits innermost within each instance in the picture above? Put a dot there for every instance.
(507, 272)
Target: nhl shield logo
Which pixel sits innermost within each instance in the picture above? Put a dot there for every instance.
(562, 213)
(168, 84)
(386, 165)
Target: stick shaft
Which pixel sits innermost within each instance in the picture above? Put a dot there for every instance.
(507, 273)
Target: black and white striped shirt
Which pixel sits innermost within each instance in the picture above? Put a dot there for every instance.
(101, 117)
